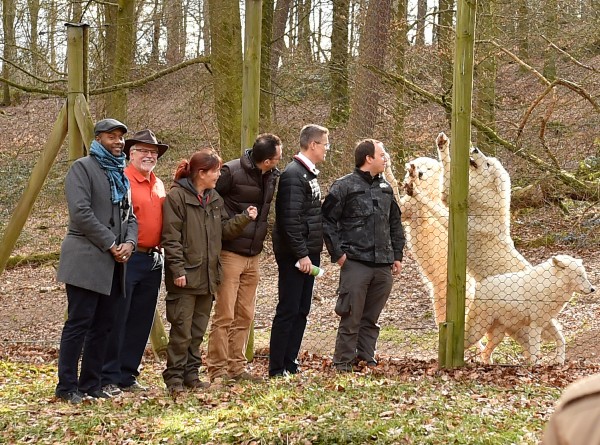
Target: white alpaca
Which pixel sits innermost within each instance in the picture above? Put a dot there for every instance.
(526, 301)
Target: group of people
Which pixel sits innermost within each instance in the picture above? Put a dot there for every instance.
(206, 233)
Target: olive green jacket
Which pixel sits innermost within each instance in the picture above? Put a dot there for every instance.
(192, 235)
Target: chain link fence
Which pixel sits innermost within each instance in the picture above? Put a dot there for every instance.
(533, 180)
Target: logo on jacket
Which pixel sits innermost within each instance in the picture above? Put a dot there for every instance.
(316, 190)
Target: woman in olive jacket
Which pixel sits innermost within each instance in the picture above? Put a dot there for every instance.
(194, 221)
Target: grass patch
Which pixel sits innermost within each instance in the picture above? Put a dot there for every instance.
(308, 408)
(417, 337)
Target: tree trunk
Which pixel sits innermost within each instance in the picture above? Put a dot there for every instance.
(551, 31)
(372, 51)
(486, 73)
(338, 66)
(10, 49)
(173, 11)
(280, 18)
(156, 21)
(34, 12)
(52, 19)
(523, 31)
(304, 32)
(446, 48)
(123, 58)
(421, 13)
(226, 64)
(399, 153)
(206, 26)
(76, 11)
(265, 64)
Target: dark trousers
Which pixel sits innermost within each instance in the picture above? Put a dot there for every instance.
(368, 289)
(90, 318)
(129, 336)
(188, 315)
(295, 297)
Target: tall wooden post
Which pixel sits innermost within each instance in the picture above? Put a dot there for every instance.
(75, 64)
(459, 184)
(251, 95)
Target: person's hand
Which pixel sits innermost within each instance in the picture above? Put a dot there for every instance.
(122, 252)
(180, 282)
(341, 260)
(304, 264)
(252, 212)
(396, 268)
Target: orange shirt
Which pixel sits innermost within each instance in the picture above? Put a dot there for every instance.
(147, 197)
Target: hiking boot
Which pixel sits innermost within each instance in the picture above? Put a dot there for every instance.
(196, 384)
(99, 394)
(245, 376)
(175, 389)
(134, 387)
(74, 397)
(112, 390)
(344, 367)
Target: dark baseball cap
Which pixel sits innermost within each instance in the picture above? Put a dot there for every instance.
(108, 125)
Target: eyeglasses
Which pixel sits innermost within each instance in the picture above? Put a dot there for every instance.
(146, 152)
(327, 145)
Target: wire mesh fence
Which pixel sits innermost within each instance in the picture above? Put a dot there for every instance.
(378, 69)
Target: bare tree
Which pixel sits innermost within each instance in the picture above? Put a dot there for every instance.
(226, 64)
(550, 8)
(173, 11)
(157, 14)
(486, 72)
(338, 65)
(10, 50)
(122, 57)
(373, 48)
(268, 8)
(421, 13)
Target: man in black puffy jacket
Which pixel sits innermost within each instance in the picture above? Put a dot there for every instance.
(363, 234)
(247, 181)
(297, 243)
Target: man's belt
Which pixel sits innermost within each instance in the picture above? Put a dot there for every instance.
(146, 249)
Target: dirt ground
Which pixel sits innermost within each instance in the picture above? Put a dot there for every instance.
(32, 303)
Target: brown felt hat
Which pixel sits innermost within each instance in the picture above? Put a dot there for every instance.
(145, 137)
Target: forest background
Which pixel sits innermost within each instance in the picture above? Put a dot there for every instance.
(364, 68)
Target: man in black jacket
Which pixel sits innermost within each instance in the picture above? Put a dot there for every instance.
(363, 234)
(247, 181)
(297, 239)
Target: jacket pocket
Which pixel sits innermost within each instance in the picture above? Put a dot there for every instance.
(342, 305)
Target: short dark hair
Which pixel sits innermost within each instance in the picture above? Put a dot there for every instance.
(311, 132)
(364, 148)
(265, 147)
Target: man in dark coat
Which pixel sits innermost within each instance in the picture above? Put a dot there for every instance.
(101, 236)
(297, 243)
(247, 181)
(363, 234)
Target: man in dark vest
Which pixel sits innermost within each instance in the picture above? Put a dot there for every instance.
(247, 181)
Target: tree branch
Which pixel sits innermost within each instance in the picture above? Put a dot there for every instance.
(589, 189)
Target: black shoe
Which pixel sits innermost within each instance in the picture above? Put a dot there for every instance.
(134, 387)
(74, 397)
(344, 367)
(99, 394)
(112, 390)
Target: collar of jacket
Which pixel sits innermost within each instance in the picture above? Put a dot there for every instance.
(249, 165)
(366, 175)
